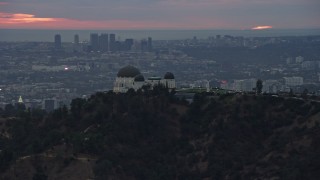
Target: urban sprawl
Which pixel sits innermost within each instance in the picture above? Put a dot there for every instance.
(49, 75)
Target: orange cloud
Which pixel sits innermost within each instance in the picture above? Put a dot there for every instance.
(7, 18)
(262, 27)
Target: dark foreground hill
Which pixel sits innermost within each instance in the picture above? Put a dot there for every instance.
(156, 136)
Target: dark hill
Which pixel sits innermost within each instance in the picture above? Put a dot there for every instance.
(156, 136)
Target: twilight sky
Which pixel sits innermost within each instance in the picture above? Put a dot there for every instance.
(159, 14)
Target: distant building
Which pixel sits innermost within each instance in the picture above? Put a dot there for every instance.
(310, 65)
(20, 100)
(112, 42)
(45, 68)
(104, 42)
(225, 85)
(144, 45)
(33, 104)
(76, 45)
(57, 41)
(76, 39)
(289, 60)
(130, 77)
(244, 85)
(299, 59)
(49, 105)
(150, 44)
(293, 81)
(128, 43)
(271, 86)
(94, 42)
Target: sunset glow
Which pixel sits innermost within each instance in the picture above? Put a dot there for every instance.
(6, 18)
(27, 21)
(160, 14)
(261, 27)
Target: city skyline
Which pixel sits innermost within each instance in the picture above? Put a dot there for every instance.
(160, 14)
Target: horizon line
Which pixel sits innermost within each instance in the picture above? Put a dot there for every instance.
(222, 29)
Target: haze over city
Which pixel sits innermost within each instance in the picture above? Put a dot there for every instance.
(159, 14)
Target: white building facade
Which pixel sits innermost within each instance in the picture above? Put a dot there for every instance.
(293, 81)
(244, 85)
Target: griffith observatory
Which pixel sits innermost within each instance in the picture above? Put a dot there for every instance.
(129, 77)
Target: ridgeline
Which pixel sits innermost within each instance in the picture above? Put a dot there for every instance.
(153, 135)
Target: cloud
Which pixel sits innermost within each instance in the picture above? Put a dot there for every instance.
(3, 3)
(7, 18)
(30, 21)
(222, 14)
(262, 27)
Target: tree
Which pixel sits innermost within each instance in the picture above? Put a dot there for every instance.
(291, 94)
(259, 86)
(76, 106)
(305, 93)
(39, 174)
(9, 110)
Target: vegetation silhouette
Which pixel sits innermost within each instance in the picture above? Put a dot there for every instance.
(152, 134)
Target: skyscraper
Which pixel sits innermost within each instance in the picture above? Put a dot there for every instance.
(94, 42)
(144, 45)
(149, 44)
(128, 43)
(112, 42)
(104, 42)
(57, 41)
(76, 46)
(76, 39)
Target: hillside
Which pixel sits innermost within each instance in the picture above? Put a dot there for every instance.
(153, 135)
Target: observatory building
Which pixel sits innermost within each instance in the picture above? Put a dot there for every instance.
(130, 77)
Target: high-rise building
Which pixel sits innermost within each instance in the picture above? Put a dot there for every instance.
(128, 44)
(112, 42)
(94, 42)
(104, 42)
(76, 45)
(144, 45)
(57, 41)
(76, 39)
(149, 44)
